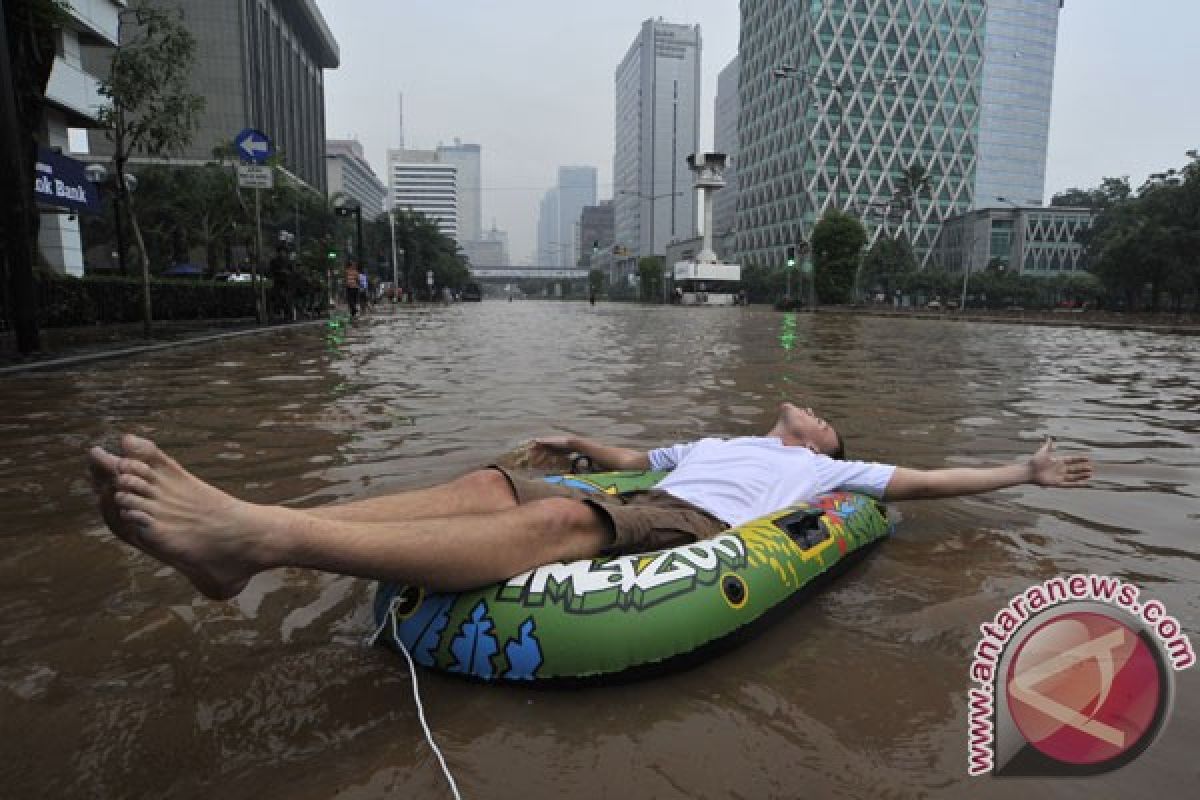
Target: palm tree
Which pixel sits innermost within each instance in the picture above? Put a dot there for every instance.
(914, 182)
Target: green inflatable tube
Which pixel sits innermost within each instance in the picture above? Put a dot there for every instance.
(609, 619)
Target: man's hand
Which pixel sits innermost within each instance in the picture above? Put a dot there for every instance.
(547, 450)
(1048, 470)
(1043, 469)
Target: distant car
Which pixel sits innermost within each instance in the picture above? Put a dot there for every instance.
(471, 293)
(934, 304)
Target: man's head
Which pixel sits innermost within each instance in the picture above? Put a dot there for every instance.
(800, 427)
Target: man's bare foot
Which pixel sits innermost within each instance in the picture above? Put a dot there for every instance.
(217, 541)
(103, 471)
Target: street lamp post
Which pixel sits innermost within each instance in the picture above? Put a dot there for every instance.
(395, 260)
(968, 257)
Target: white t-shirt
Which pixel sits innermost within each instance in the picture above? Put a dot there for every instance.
(737, 480)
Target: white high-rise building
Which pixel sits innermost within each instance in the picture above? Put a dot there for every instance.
(419, 181)
(467, 158)
(725, 140)
(1018, 78)
(347, 172)
(657, 128)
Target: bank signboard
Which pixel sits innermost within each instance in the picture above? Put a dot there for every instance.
(61, 181)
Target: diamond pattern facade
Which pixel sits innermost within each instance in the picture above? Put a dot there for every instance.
(1030, 240)
(880, 85)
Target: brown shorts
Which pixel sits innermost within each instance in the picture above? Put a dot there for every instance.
(640, 521)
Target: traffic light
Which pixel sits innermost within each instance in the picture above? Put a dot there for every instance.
(333, 255)
(791, 256)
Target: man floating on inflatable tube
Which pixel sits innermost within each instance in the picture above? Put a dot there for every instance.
(490, 525)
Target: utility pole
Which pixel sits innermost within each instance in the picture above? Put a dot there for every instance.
(16, 246)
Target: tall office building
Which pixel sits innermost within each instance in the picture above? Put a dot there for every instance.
(576, 189)
(1018, 80)
(348, 172)
(259, 64)
(547, 230)
(875, 87)
(657, 128)
(725, 140)
(419, 181)
(467, 158)
(595, 232)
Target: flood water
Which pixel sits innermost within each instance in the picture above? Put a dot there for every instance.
(117, 680)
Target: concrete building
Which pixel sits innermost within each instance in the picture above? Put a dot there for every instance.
(657, 126)
(838, 99)
(576, 191)
(485, 254)
(467, 158)
(73, 102)
(1018, 81)
(260, 64)
(420, 181)
(725, 140)
(348, 172)
(595, 232)
(1031, 240)
(500, 237)
(489, 251)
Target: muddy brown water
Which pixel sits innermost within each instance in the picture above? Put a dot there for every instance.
(117, 680)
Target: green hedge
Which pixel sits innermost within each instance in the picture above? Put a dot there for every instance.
(64, 300)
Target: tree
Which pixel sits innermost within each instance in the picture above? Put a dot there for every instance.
(650, 275)
(914, 182)
(1109, 193)
(152, 111)
(886, 261)
(837, 240)
(27, 49)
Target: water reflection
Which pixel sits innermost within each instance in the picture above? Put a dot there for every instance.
(116, 680)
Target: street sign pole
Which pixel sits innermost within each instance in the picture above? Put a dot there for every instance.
(256, 267)
(255, 149)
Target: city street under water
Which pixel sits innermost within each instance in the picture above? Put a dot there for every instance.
(117, 680)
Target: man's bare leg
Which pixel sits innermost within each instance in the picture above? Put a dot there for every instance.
(478, 492)
(220, 542)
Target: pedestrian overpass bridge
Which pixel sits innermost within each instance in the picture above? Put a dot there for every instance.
(527, 274)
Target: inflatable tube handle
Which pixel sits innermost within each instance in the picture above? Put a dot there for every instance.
(804, 527)
(581, 464)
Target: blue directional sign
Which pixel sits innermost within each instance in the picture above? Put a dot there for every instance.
(253, 146)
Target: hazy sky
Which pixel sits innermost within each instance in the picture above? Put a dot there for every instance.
(532, 82)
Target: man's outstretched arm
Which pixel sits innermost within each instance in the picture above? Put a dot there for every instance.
(1043, 469)
(602, 455)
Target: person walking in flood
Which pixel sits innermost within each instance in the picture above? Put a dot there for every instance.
(352, 288)
(491, 524)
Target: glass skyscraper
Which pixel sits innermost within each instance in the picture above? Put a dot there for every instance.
(876, 87)
(1018, 76)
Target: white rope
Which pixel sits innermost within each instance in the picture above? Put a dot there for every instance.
(390, 616)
